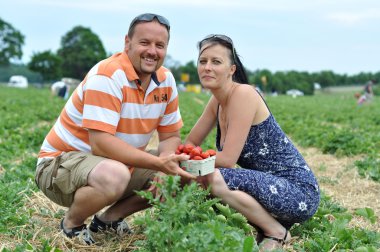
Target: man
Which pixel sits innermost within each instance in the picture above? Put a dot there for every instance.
(90, 157)
(61, 89)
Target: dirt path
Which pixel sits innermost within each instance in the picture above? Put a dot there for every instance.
(338, 178)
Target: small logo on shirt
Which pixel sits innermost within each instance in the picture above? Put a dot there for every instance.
(162, 98)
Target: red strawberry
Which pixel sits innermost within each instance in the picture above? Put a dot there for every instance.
(188, 148)
(195, 152)
(199, 148)
(211, 152)
(180, 147)
(205, 155)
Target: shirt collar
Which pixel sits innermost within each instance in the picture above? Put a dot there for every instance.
(158, 77)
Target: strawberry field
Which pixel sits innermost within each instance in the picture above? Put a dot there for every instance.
(331, 126)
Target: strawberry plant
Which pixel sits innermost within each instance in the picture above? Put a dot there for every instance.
(27, 115)
(183, 219)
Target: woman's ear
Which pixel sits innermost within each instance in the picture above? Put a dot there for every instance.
(232, 69)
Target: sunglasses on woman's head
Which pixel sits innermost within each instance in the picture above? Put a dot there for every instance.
(148, 17)
(220, 37)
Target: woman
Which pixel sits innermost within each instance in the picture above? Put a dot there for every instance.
(274, 187)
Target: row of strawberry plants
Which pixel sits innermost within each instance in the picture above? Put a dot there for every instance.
(19, 163)
(336, 125)
(22, 129)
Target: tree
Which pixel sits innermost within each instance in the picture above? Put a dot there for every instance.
(11, 41)
(191, 69)
(327, 79)
(48, 64)
(80, 50)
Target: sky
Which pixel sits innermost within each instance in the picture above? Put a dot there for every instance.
(302, 35)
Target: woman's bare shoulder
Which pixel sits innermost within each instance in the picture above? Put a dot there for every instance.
(246, 91)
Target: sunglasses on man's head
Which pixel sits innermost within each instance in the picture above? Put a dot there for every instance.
(148, 17)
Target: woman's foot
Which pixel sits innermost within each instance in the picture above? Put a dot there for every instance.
(270, 243)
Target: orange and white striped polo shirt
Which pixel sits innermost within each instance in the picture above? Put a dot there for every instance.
(110, 100)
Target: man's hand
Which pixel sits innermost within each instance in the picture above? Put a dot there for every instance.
(153, 188)
(170, 165)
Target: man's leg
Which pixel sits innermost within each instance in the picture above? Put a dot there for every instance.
(106, 184)
(130, 202)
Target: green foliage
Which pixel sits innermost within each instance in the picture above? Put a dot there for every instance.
(11, 41)
(7, 71)
(47, 64)
(190, 68)
(21, 137)
(334, 124)
(191, 106)
(26, 115)
(282, 81)
(367, 213)
(183, 219)
(369, 167)
(328, 230)
(80, 50)
(376, 90)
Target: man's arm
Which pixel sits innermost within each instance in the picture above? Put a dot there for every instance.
(106, 145)
(168, 143)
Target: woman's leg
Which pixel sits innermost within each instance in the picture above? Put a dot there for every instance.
(249, 207)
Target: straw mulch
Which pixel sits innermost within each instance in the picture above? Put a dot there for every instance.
(338, 178)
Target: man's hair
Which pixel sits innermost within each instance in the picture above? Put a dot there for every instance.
(148, 17)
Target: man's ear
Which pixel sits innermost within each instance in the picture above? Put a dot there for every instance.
(126, 42)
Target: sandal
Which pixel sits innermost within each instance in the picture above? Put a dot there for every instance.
(260, 233)
(281, 242)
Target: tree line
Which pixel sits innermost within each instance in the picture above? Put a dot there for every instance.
(80, 48)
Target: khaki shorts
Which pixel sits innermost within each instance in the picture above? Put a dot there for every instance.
(60, 177)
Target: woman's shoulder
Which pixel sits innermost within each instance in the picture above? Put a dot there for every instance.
(246, 91)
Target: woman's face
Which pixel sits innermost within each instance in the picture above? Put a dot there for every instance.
(214, 66)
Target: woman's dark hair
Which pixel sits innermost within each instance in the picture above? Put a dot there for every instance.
(240, 75)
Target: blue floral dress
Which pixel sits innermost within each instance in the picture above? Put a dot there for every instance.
(274, 173)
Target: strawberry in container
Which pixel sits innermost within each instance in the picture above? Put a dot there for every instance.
(200, 163)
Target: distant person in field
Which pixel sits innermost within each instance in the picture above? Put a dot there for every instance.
(273, 187)
(60, 89)
(95, 156)
(367, 93)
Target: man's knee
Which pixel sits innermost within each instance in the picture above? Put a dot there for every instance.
(110, 177)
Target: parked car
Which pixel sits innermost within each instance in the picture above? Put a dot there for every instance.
(294, 92)
(18, 81)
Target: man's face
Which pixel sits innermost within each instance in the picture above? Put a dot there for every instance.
(147, 47)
